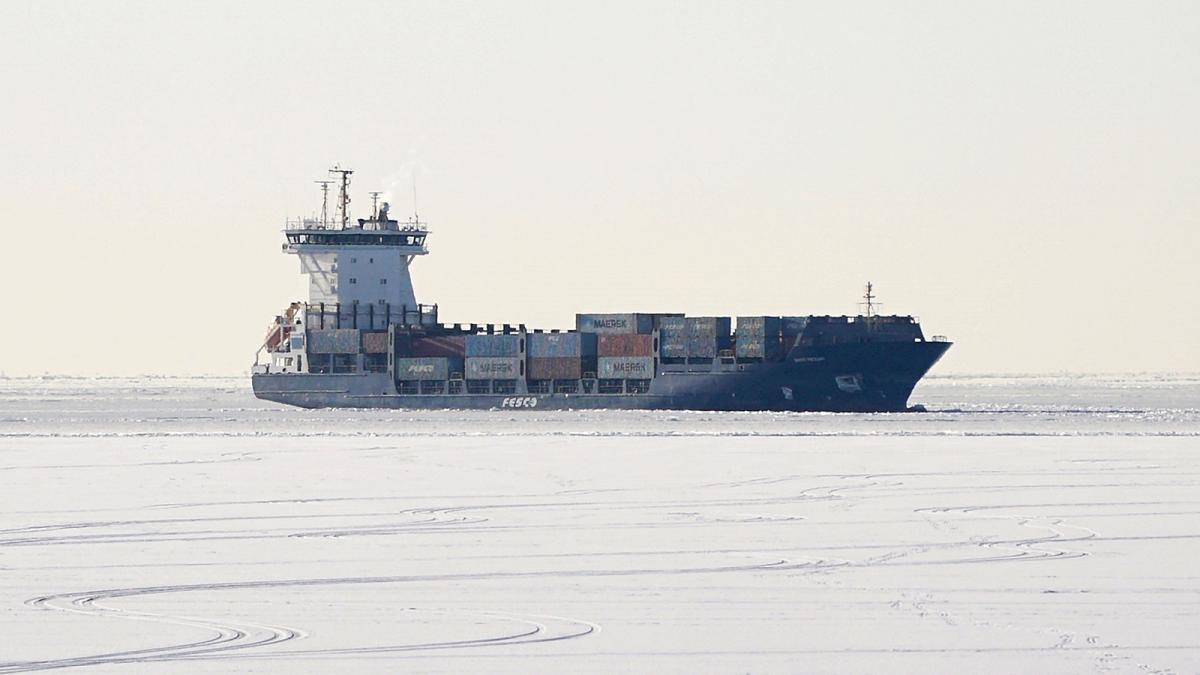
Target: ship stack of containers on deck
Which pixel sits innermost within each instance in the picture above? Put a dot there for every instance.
(758, 337)
(672, 338)
(495, 357)
(415, 359)
(625, 343)
(560, 356)
(706, 336)
(629, 357)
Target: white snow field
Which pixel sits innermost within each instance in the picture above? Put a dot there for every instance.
(1027, 524)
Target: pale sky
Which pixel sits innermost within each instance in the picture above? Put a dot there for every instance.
(1021, 176)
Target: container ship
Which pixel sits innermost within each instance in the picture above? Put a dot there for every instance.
(362, 340)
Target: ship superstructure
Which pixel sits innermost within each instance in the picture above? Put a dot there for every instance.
(363, 340)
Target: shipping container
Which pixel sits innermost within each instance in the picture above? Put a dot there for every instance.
(375, 342)
(672, 346)
(495, 345)
(555, 367)
(707, 325)
(333, 341)
(614, 324)
(627, 367)
(493, 367)
(706, 346)
(559, 345)
(448, 346)
(625, 345)
(425, 368)
(757, 347)
(672, 324)
(758, 325)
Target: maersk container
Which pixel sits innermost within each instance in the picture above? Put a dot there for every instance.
(625, 345)
(555, 367)
(758, 325)
(448, 346)
(375, 342)
(625, 367)
(495, 345)
(425, 368)
(561, 345)
(707, 325)
(493, 368)
(614, 324)
(333, 341)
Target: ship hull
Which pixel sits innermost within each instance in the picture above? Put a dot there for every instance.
(862, 377)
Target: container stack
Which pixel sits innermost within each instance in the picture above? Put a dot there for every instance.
(707, 336)
(560, 356)
(625, 357)
(494, 357)
(672, 337)
(758, 337)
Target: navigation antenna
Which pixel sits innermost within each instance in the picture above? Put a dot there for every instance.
(869, 303)
(324, 202)
(343, 193)
(374, 205)
(416, 219)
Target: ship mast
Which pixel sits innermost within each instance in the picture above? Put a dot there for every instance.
(343, 193)
(324, 202)
(374, 205)
(870, 306)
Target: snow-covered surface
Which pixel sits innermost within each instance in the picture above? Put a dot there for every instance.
(1027, 524)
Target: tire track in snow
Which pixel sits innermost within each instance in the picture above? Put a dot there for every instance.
(228, 637)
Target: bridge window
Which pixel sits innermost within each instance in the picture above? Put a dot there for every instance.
(383, 281)
(353, 281)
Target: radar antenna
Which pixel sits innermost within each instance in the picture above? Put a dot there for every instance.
(343, 193)
(324, 202)
(374, 205)
(869, 304)
(416, 218)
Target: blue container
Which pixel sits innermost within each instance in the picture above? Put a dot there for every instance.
(495, 345)
(560, 345)
(672, 346)
(706, 346)
(614, 324)
(757, 325)
(672, 324)
(708, 325)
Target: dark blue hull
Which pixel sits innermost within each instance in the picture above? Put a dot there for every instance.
(861, 377)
